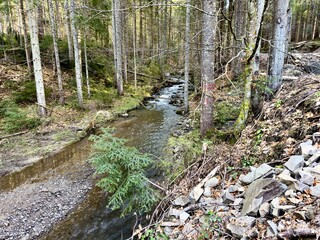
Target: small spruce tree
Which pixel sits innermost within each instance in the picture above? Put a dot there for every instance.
(124, 178)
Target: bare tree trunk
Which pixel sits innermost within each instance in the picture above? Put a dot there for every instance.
(76, 54)
(277, 53)
(40, 20)
(187, 59)
(68, 30)
(86, 62)
(56, 51)
(117, 43)
(240, 33)
(37, 69)
(25, 33)
(58, 18)
(207, 66)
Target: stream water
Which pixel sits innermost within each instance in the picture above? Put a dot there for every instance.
(147, 129)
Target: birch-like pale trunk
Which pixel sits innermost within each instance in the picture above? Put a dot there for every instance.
(56, 51)
(76, 54)
(37, 69)
(68, 29)
(187, 59)
(86, 62)
(277, 52)
(25, 37)
(207, 64)
(117, 43)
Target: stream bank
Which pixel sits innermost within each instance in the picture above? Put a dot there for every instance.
(55, 200)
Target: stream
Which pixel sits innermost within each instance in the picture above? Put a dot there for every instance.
(147, 129)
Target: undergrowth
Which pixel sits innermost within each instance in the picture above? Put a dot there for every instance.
(15, 119)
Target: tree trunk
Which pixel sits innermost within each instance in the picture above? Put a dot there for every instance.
(33, 26)
(58, 18)
(207, 65)
(277, 53)
(25, 33)
(187, 58)
(117, 43)
(76, 54)
(240, 33)
(86, 62)
(68, 30)
(40, 20)
(56, 52)
(252, 66)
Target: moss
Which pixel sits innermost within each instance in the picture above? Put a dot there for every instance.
(224, 112)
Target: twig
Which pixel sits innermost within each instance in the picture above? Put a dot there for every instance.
(156, 185)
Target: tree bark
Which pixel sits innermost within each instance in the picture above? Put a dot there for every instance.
(277, 53)
(187, 58)
(25, 33)
(68, 30)
(117, 44)
(76, 54)
(56, 51)
(37, 69)
(207, 65)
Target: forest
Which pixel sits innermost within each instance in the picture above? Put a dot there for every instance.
(159, 119)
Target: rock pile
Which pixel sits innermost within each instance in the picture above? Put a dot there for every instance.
(266, 203)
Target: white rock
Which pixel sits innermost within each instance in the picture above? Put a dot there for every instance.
(195, 194)
(213, 182)
(294, 162)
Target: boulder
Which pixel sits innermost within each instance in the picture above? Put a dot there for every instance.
(315, 191)
(240, 226)
(307, 149)
(257, 173)
(181, 201)
(305, 177)
(261, 191)
(213, 182)
(294, 162)
(195, 194)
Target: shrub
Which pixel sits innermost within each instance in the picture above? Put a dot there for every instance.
(17, 120)
(124, 171)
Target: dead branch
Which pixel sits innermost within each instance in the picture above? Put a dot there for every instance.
(298, 233)
(13, 135)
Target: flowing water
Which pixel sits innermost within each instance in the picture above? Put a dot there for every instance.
(147, 129)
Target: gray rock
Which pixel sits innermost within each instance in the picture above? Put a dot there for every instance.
(195, 194)
(169, 224)
(307, 149)
(300, 214)
(207, 192)
(228, 198)
(187, 228)
(238, 201)
(295, 162)
(290, 193)
(168, 231)
(276, 207)
(294, 200)
(305, 177)
(184, 216)
(264, 209)
(315, 191)
(213, 182)
(266, 189)
(299, 186)
(314, 171)
(314, 158)
(259, 172)
(181, 201)
(233, 188)
(285, 177)
(175, 212)
(239, 226)
(272, 229)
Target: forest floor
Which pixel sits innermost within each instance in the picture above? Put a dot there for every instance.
(274, 135)
(208, 202)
